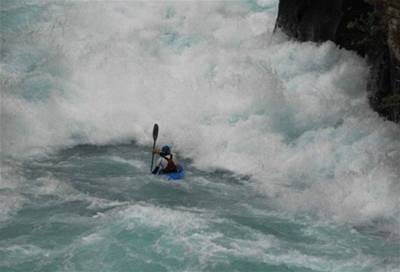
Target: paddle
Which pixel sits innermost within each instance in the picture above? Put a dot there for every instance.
(155, 135)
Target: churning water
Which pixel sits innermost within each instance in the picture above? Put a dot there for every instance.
(288, 168)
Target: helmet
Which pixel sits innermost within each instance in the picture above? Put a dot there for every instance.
(165, 150)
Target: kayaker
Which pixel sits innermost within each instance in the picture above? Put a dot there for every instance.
(166, 163)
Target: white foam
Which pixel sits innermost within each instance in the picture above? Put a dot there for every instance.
(26, 250)
(11, 182)
(294, 116)
(10, 204)
(100, 203)
(184, 234)
(135, 163)
(156, 217)
(91, 238)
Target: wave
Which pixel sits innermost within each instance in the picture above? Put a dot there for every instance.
(225, 91)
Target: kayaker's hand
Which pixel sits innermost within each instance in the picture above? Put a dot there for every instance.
(156, 151)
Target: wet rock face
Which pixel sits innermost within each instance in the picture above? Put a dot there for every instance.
(370, 27)
(392, 10)
(310, 20)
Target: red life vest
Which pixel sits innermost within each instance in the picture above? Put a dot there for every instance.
(171, 166)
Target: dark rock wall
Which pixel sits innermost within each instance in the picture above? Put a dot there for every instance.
(370, 27)
(308, 20)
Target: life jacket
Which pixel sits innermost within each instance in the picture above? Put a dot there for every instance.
(171, 166)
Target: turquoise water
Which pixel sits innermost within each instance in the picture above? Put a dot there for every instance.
(93, 208)
(287, 167)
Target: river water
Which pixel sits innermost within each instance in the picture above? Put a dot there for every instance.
(287, 167)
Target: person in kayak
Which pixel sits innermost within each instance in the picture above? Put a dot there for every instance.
(166, 163)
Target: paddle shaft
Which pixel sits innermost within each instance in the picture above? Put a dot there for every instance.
(155, 135)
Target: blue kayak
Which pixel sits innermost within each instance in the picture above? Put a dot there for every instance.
(175, 175)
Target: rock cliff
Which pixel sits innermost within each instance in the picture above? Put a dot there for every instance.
(370, 27)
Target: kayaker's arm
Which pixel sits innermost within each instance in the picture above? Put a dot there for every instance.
(158, 167)
(155, 171)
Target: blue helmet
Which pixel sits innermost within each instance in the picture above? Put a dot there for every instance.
(165, 150)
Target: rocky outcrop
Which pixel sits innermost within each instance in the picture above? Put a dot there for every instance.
(370, 27)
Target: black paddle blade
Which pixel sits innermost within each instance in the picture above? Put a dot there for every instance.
(155, 135)
(155, 132)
